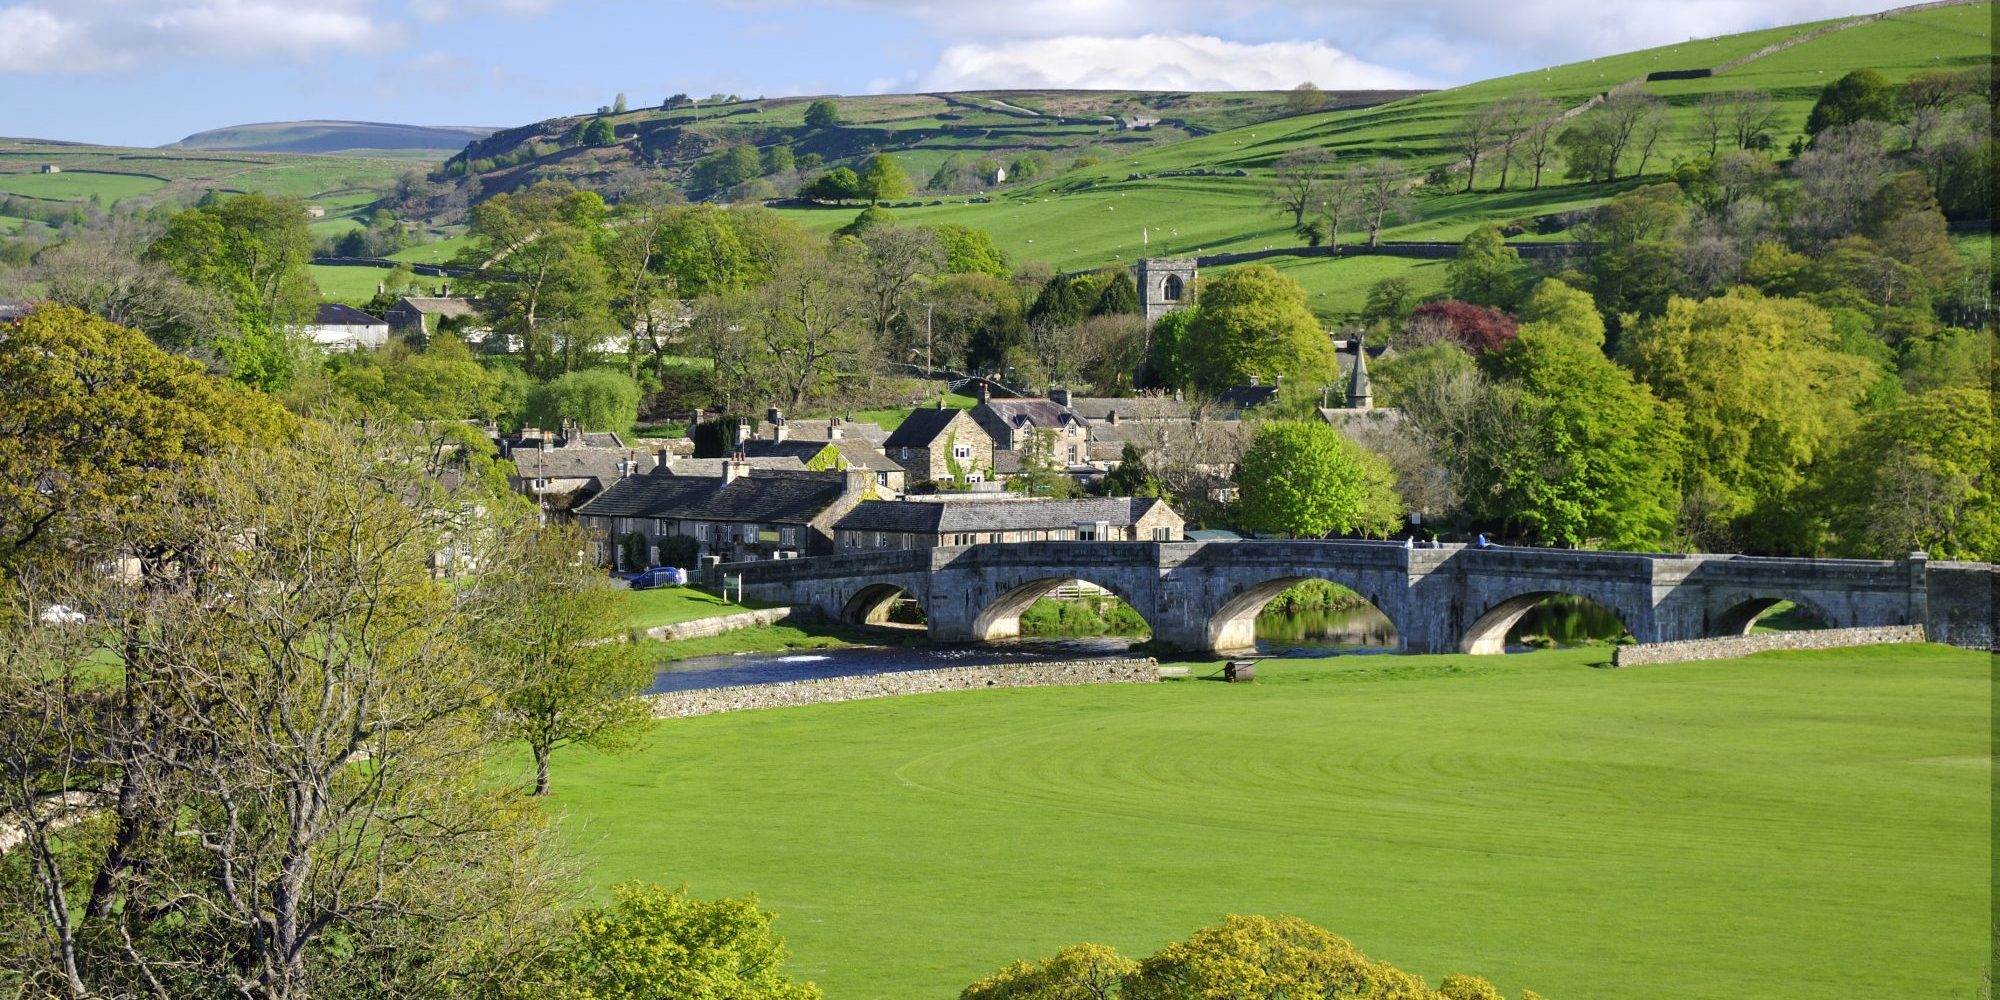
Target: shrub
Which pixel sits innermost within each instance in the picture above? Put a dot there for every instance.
(632, 551)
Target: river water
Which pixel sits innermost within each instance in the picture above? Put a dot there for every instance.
(1306, 634)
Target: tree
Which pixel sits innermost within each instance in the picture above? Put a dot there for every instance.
(777, 159)
(970, 251)
(895, 262)
(1516, 118)
(1307, 480)
(599, 133)
(883, 178)
(97, 427)
(1711, 121)
(569, 678)
(1475, 329)
(1838, 177)
(254, 251)
(1042, 474)
(822, 114)
(1268, 957)
(442, 382)
(652, 942)
(1861, 95)
(293, 743)
(1919, 478)
(1253, 321)
(1384, 196)
(810, 319)
(1764, 395)
(1305, 98)
(1654, 126)
(596, 399)
(618, 106)
(1389, 302)
(838, 184)
(1486, 270)
(872, 217)
(535, 264)
(103, 271)
(1078, 972)
(1555, 306)
(1473, 136)
(1600, 460)
(1538, 148)
(1298, 180)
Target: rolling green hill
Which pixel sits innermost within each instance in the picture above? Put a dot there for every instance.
(427, 142)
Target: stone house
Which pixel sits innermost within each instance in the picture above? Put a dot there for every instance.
(340, 327)
(745, 514)
(1016, 424)
(941, 446)
(833, 451)
(427, 314)
(926, 524)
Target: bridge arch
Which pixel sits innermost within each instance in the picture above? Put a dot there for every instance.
(1741, 617)
(877, 604)
(1488, 633)
(1000, 617)
(1233, 625)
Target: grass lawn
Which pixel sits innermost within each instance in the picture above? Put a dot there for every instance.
(892, 417)
(352, 285)
(672, 605)
(769, 639)
(1805, 825)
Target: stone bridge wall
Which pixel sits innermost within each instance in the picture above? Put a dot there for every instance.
(1205, 595)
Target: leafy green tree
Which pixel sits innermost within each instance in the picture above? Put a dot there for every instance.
(535, 262)
(1307, 480)
(618, 105)
(822, 114)
(1042, 475)
(1078, 972)
(1170, 358)
(1120, 296)
(652, 942)
(970, 251)
(1389, 302)
(600, 133)
(1559, 307)
(777, 159)
(1486, 270)
(838, 184)
(442, 382)
(703, 252)
(1250, 956)
(1597, 464)
(1254, 321)
(600, 400)
(555, 636)
(1764, 394)
(1861, 95)
(866, 219)
(1133, 477)
(96, 427)
(883, 178)
(1919, 478)
(255, 251)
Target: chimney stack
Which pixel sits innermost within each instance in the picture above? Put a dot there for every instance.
(776, 418)
(661, 460)
(985, 391)
(833, 429)
(742, 432)
(737, 466)
(1060, 397)
(1112, 418)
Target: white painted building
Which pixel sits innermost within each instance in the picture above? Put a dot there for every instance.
(339, 327)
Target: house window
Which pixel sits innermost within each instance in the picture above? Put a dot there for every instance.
(1163, 534)
(541, 484)
(903, 452)
(881, 539)
(1072, 454)
(881, 479)
(1086, 534)
(961, 452)
(993, 536)
(787, 536)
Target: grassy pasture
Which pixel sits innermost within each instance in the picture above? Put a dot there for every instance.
(1805, 826)
(352, 285)
(80, 185)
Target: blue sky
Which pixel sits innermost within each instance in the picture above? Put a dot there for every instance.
(145, 72)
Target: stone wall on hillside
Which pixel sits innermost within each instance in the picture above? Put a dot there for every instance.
(1763, 642)
(1053, 673)
(702, 628)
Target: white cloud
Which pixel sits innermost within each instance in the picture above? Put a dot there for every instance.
(94, 35)
(440, 10)
(1157, 62)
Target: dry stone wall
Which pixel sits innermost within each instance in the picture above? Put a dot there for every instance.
(702, 628)
(1054, 673)
(1743, 645)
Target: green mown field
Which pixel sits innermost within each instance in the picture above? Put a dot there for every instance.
(80, 185)
(1790, 825)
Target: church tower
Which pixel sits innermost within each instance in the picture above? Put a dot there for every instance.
(1165, 285)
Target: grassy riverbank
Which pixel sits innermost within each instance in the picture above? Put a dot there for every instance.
(1805, 825)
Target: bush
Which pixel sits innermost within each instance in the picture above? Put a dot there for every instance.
(632, 551)
(679, 550)
(599, 400)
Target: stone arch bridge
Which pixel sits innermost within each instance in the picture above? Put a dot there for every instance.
(1204, 596)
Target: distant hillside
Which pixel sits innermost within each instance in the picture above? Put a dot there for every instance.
(336, 137)
(966, 134)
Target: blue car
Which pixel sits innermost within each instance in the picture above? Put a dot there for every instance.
(659, 576)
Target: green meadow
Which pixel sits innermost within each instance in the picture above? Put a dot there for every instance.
(80, 185)
(1804, 825)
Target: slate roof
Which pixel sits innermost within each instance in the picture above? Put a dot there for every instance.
(862, 455)
(759, 498)
(711, 468)
(573, 463)
(816, 430)
(342, 314)
(804, 451)
(946, 517)
(440, 306)
(1031, 412)
(920, 428)
(1244, 397)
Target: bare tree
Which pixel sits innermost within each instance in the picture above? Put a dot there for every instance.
(894, 262)
(1537, 149)
(1385, 196)
(1300, 180)
(102, 271)
(1342, 203)
(1753, 117)
(1625, 114)
(1653, 127)
(1473, 136)
(810, 319)
(1518, 116)
(1842, 170)
(1712, 116)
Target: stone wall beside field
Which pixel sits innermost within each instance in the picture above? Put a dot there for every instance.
(1053, 673)
(1733, 646)
(702, 628)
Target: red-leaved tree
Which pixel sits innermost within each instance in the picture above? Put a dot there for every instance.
(1478, 329)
